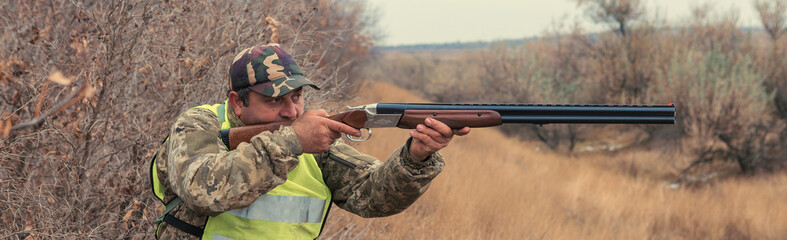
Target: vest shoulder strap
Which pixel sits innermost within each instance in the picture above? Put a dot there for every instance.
(176, 222)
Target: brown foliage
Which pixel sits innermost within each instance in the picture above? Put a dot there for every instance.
(73, 162)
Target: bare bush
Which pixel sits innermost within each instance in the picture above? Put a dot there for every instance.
(83, 171)
(773, 16)
(711, 30)
(617, 13)
(621, 62)
(723, 109)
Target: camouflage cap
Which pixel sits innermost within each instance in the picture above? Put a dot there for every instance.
(267, 70)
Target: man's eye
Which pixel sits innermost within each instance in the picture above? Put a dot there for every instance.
(275, 100)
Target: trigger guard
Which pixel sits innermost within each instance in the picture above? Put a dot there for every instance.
(359, 139)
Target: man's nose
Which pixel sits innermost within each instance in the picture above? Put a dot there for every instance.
(288, 109)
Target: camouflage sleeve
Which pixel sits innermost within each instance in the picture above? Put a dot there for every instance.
(367, 187)
(210, 179)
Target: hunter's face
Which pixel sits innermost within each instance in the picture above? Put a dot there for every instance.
(264, 109)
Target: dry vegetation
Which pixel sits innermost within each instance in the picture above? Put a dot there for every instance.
(88, 89)
(514, 189)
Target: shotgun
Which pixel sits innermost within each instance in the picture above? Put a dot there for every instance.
(459, 115)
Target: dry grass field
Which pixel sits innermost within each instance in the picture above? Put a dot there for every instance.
(495, 187)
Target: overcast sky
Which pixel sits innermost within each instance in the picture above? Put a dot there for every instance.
(440, 21)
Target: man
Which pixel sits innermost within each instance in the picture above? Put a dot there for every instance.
(280, 184)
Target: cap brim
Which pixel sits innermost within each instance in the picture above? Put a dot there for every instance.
(282, 86)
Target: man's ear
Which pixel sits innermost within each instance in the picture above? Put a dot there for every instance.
(235, 103)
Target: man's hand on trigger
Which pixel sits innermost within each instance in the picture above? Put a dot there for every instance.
(432, 136)
(316, 132)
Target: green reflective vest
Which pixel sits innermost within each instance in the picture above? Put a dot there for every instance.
(295, 209)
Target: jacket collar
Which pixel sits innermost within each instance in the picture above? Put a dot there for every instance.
(234, 119)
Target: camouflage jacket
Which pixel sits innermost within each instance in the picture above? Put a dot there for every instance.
(195, 165)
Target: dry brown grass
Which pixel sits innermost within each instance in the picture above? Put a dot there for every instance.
(494, 187)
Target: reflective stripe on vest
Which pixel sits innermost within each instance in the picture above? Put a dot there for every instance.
(291, 209)
(295, 209)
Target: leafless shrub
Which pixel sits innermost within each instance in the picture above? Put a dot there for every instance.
(621, 60)
(617, 13)
(723, 109)
(711, 30)
(773, 16)
(80, 168)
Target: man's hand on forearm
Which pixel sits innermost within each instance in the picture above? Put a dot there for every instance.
(432, 136)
